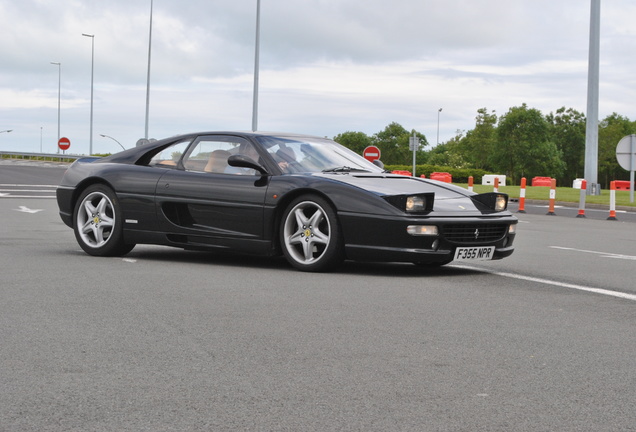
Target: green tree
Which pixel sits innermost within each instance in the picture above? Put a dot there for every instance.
(612, 129)
(449, 154)
(393, 143)
(524, 146)
(478, 144)
(568, 133)
(356, 141)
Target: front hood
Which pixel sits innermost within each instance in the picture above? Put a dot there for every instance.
(394, 184)
(450, 200)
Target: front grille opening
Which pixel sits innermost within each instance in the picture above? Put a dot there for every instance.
(474, 233)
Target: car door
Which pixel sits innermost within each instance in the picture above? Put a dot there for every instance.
(204, 197)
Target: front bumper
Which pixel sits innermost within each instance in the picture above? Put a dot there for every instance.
(382, 238)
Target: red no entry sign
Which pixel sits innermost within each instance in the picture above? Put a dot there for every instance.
(371, 153)
(64, 143)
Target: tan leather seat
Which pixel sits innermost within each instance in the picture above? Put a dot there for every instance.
(217, 162)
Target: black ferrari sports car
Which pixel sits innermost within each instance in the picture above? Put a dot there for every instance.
(308, 198)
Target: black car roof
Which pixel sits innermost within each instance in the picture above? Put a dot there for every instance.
(132, 155)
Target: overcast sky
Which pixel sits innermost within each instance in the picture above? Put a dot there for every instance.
(326, 66)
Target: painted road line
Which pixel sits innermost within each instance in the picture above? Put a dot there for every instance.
(26, 196)
(602, 291)
(602, 254)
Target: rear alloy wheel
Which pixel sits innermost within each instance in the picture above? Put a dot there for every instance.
(99, 224)
(310, 235)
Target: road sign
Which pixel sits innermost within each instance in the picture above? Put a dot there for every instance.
(371, 153)
(414, 143)
(414, 146)
(626, 157)
(625, 152)
(64, 143)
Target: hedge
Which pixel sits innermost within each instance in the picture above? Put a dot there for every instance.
(460, 175)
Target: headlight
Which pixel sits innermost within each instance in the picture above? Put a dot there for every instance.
(493, 201)
(415, 204)
(500, 203)
(420, 203)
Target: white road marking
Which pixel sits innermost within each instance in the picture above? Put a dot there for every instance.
(26, 196)
(49, 189)
(26, 185)
(25, 190)
(602, 291)
(24, 209)
(603, 254)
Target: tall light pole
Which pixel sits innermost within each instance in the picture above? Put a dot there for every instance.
(90, 147)
(256, 66)
(148, 75)
(591, 127)
(438, 112)
(59, 88)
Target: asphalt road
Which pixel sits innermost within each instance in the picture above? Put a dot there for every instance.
(169, 340)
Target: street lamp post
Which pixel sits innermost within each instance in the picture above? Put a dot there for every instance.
(59, 88)
(256, 67)
(438, 112)
(148, 75)
(107, 136)
(90, 148)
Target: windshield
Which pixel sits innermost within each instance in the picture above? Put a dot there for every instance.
(314, 155)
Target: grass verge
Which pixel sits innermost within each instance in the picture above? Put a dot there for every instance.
(564, 194)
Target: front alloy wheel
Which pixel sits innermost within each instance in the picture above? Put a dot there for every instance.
(310, 235)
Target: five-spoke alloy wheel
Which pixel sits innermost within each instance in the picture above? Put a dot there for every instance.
(310, 234)
(98, 223)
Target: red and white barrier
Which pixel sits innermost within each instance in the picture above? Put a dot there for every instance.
(622, 184)
(541, 181)
(441, 176)
(402, 172)
(582, 195)
(470, 183)
(522, 196)
(496, 188)
(612, 213)
(552, 197)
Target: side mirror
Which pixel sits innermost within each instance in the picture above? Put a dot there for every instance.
(378, 163)
(242, 161)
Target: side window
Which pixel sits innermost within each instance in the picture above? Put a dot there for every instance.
(169, 156)
(211, 155)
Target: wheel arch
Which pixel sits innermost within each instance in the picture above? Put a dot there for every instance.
(82, 186)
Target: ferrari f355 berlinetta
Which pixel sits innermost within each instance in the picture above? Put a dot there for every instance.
(307, 198)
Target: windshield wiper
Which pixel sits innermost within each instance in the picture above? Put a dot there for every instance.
(344, 169)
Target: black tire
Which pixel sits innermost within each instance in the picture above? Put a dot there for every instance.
(310, 234)
(98, 223)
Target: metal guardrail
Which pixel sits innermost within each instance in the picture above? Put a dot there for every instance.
(40, 156)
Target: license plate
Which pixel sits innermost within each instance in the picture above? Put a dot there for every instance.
(479, 253)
